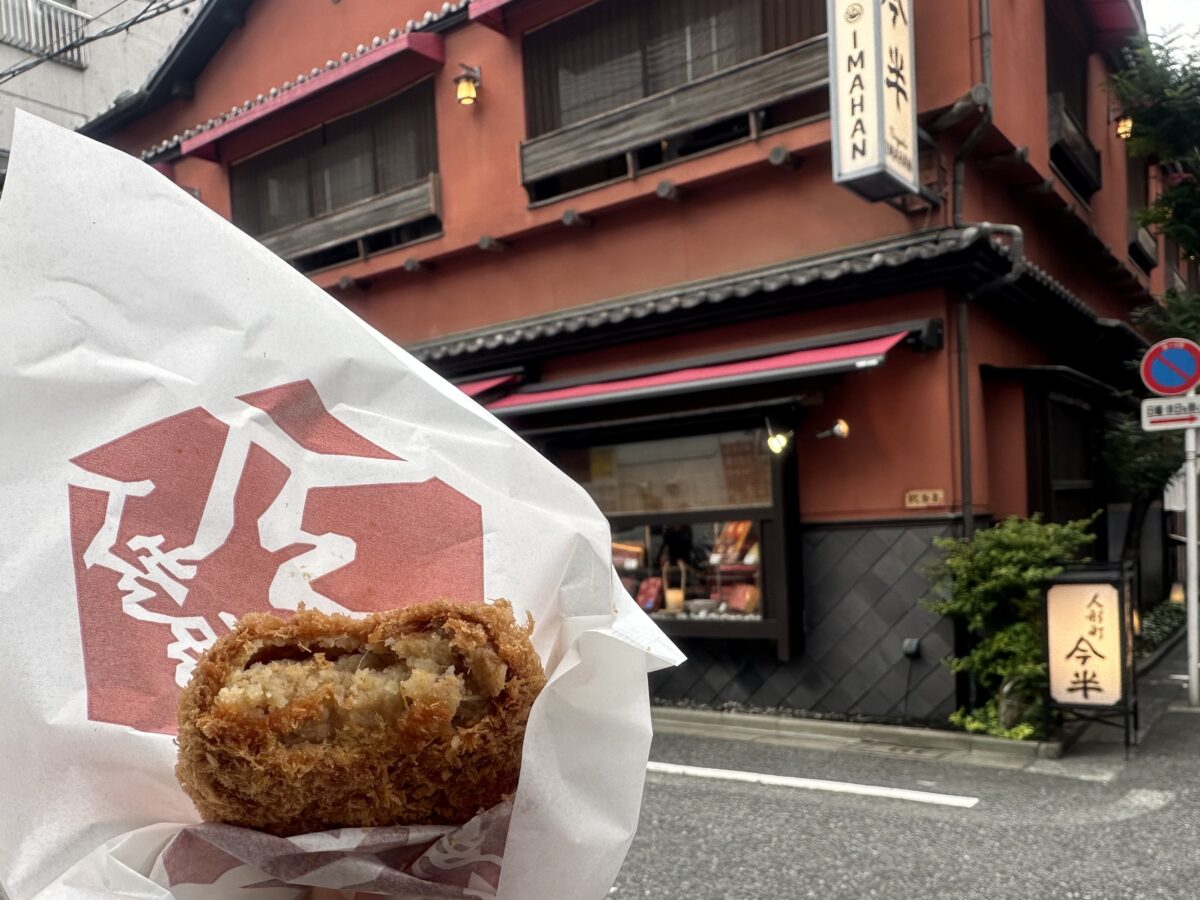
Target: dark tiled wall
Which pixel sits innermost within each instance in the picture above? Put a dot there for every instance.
(861, 587)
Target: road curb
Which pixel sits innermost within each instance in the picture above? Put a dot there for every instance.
(755, 726)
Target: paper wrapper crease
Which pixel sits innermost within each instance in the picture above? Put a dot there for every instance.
(192, 431)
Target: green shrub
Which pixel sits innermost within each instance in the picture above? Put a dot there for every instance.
(994, 583)
(1159, 625)
(986, 720)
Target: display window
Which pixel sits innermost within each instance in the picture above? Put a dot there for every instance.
(689, 514)
(699, 569)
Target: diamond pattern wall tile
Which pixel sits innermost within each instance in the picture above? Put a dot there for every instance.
(862, 587)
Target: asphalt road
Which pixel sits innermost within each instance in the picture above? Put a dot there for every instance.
(1089, 826)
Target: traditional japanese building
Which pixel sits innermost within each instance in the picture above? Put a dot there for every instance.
(616, 224)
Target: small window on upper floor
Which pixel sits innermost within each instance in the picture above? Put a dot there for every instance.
(616, 56)
(1068, 48)
(1143, 246)
(1067, 60)
(354, 186)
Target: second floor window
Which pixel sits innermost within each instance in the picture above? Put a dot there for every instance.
(1067, 61)
(371, 153)
(619, 51)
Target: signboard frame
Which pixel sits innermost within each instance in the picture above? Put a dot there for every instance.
(1119, 576)
(857, 37)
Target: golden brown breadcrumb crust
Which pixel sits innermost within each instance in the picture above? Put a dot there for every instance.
(259, 767)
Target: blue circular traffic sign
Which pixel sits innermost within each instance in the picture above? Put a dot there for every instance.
(1171, 367)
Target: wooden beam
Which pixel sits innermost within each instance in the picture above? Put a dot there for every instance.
(668, 190)
(1040, 189)
(1015, 157)
(970, 102)
(783, 158)
(489, 13)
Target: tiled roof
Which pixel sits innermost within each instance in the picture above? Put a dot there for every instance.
(329, 65)
(730, 288)
(892, 255)
(200, 41)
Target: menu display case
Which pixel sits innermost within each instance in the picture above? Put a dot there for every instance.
(698, 528)
(705, 570)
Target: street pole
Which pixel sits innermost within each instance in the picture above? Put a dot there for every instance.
(1193, 568)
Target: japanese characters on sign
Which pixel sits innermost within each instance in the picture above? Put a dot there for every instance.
(1084, 630)
(924, 499)
(872, 97)
(1168, 413)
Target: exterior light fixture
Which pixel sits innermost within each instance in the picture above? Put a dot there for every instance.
(467, 84)
(840, 429)
(777, 441)
(1125, 127)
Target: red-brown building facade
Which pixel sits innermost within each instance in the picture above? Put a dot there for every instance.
(632, 249)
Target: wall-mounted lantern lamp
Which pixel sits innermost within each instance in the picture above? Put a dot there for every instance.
(467, 83)
(777, 441)
(840, 429)
(1125, 127)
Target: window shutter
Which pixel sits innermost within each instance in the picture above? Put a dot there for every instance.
(619, 51)
(370, 153)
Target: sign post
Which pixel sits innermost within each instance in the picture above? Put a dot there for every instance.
(1172, 368)
(1193, 576)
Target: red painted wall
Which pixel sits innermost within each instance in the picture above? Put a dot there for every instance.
(738, 212)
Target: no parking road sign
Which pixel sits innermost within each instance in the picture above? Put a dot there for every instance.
(1171, 367)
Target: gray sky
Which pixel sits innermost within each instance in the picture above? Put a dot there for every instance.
(1161, 15)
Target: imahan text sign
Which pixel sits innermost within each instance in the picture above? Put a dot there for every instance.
(1083, 623)
(872, 97)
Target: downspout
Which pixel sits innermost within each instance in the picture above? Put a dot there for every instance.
(967, 488)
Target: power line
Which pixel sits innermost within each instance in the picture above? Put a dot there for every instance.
(148, 12)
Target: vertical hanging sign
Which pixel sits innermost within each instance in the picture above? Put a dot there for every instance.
(872, 97)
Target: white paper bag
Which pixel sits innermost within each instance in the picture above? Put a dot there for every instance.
(192, 430)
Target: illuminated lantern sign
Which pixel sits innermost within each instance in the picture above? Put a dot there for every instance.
(872, 97)
(1084, 630)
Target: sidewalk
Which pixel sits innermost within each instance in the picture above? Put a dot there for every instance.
(1161, 684)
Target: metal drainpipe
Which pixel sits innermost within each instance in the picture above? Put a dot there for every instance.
(962, 340)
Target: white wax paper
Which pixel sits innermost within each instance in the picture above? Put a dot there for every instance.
(191, 429)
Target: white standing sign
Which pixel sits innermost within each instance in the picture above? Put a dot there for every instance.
(872, 88)
(1083, 623)
(1170, 413)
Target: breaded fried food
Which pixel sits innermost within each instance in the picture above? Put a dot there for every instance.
(413, 716)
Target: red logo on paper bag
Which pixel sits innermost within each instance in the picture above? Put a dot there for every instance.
(182, 526)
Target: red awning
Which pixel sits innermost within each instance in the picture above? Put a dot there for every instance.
(796, 364)
(475, 388)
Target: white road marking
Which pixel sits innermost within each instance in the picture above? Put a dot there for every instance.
(814, 784)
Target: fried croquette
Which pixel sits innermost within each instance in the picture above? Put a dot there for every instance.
(413, 716)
